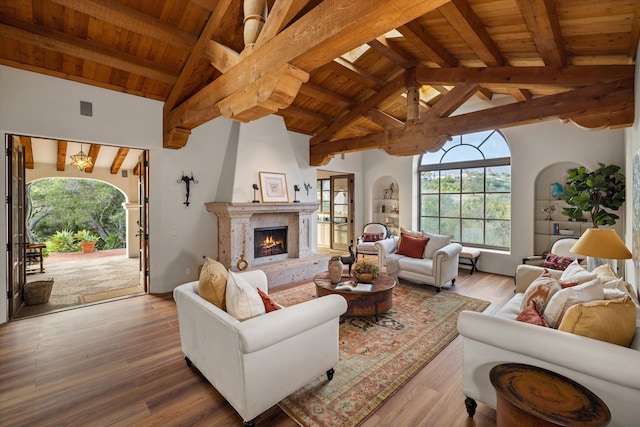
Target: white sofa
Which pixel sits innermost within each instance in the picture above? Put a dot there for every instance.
(257, 362)
(437, 270)
(611, 371)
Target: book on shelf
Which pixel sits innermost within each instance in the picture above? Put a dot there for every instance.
(351, 285)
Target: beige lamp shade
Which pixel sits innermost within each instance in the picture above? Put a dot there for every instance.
(601, 243)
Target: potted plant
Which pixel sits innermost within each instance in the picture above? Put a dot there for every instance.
(365, 271)
(86, 240)
(598, 192)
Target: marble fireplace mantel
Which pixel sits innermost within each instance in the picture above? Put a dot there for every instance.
(236, 222)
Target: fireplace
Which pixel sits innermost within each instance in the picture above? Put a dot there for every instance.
(269, 241)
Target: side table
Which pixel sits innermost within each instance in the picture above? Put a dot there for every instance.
(532, 396)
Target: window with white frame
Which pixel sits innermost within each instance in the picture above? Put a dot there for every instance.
(465, 190)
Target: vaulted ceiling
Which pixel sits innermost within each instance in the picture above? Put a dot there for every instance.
(352, 74)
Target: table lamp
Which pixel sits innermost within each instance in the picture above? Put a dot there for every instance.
(601, 246)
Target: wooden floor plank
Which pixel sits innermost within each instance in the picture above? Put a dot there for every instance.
(120, 363)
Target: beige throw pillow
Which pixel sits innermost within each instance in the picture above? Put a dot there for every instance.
(540, 292)
(213, 283)
(562, 300)
(243, 300)
(436, 242)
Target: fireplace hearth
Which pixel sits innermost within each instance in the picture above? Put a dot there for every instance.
(269, 241)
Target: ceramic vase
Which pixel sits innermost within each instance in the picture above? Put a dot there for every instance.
(335, 268)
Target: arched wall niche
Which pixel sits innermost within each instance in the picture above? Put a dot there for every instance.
(385, 206)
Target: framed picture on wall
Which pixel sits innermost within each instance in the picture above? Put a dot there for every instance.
(273, 187)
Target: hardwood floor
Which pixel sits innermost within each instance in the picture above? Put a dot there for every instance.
(120, 364)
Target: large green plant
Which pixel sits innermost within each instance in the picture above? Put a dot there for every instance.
(598, 192)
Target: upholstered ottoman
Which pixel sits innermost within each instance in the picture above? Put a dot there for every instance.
(469, 256)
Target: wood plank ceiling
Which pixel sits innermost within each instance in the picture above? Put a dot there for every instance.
(352, 74)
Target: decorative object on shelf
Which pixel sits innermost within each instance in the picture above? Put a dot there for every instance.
(388, 192)
(273, 187)
(255, 188)
(601, 246)
(335, 269)
(307, 186)
(549, 210)
(365, 271)
(187, 182)
(296, 188)
(597, 193)
(81, 160)
(556, 190)
(566, 232)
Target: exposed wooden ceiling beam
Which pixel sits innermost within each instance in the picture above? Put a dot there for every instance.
(527, 77)
(451, 101)
(282, 12)
(542, 20)
(117, 162)
(59, 42)
(392, 88)
(325, 95)
(415, 138)
(322, 34)
(356, 74)
(62, 155)
(304, 114)
(417, 35)
(635, 33)
(94, 150)
(395, 54)
(196, 54)
(28, 151)
(132, 20)
(383, 119)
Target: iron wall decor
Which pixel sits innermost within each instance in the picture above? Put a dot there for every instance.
(187, 181)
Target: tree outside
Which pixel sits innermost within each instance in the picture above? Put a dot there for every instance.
(64, 211)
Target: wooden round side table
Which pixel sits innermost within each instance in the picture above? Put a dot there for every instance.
(532, 396)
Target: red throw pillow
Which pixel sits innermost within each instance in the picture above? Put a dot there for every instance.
(557, 262)
(372, 237)
(269, 305)
(412, 246)
(532, 315)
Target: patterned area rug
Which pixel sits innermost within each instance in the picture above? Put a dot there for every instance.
(377, 357)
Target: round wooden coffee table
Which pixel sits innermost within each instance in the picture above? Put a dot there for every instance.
(360, 303)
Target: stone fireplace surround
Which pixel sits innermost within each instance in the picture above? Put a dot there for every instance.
(236, 222)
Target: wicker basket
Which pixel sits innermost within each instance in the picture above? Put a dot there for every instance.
(37, 292)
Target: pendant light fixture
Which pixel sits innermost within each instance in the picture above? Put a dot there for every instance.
(81, 160)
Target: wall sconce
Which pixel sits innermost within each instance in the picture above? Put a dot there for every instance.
(187, 181)
(255, 199)
(296, 188)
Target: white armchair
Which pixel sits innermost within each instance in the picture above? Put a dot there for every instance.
(437, 267)
(371, 233)
(257, 362)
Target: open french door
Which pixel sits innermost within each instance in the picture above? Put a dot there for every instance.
(143, 220)
(341, 211)
(16, 233)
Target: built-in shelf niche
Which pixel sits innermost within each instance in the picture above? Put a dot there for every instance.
(386, 203)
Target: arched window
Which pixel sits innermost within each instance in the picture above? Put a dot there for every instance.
(465, 190)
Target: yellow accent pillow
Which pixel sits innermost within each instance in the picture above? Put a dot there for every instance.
(613, 321)
(213, 283)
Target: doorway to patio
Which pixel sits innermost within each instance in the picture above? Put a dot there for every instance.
(81, 279)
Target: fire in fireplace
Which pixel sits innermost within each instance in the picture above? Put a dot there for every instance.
(269, 241)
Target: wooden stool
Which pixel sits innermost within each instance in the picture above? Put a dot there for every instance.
(470, 257)
(529, 396)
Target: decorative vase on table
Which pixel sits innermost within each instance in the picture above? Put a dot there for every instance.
(335, 268)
